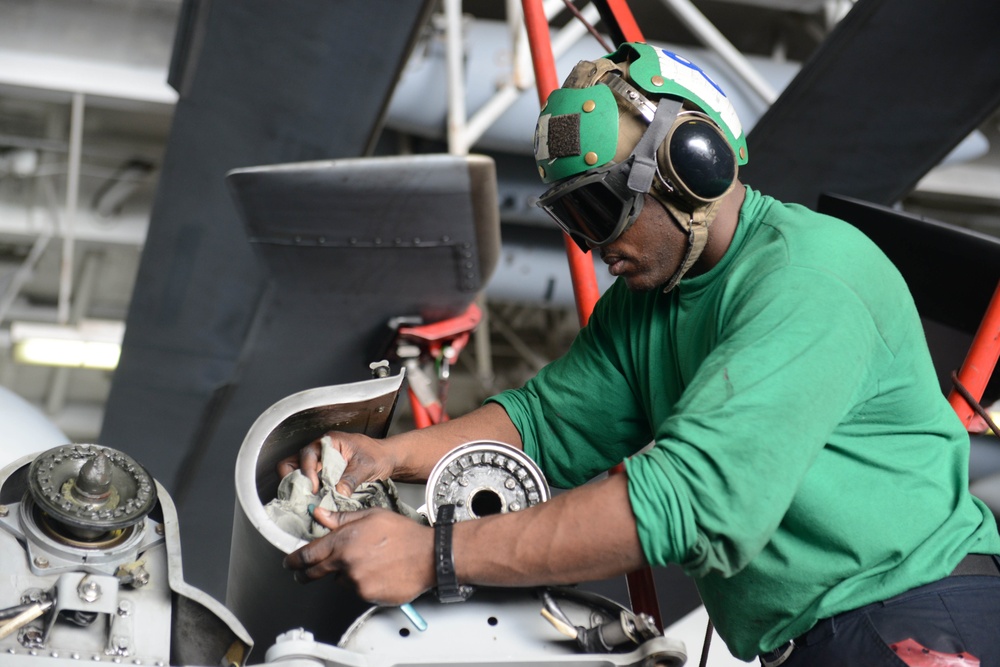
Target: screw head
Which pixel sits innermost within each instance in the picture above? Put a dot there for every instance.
(88, 591)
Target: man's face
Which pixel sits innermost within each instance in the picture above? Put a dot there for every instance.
(649, 252)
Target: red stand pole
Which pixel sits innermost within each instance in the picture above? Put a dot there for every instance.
(979, 362)
(641, 588)
(581, 266)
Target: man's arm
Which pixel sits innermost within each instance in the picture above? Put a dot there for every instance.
(584, 534)
(416, 452)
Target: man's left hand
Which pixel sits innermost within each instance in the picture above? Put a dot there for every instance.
(387, 557)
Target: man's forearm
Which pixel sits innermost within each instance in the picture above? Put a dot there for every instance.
(585, 534)
(416, 452)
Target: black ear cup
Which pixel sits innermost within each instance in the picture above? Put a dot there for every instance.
(700, 163)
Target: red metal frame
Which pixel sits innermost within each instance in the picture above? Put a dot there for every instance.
(979, 366)
(432, 339)
(642, 590)
(581, 266)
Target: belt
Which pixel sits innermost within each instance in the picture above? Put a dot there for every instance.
(972, 565)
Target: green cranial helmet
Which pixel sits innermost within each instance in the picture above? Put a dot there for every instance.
(605, 106)
(640, 121)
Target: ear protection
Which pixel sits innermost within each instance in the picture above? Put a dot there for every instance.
(640, 120)
(694, 165)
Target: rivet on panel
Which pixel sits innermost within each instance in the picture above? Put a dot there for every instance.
(590, 158)
(589, 106)
(657, 80)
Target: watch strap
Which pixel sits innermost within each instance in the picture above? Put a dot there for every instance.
(448, 588)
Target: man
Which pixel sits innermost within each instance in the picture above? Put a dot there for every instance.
(805, 468)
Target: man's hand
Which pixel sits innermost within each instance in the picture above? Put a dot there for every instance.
(367, 461)
(388, 558)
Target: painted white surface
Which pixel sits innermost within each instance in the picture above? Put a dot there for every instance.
(691, 630)
(24, 429)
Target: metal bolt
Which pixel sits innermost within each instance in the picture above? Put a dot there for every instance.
(510, 483)
(30, 637)
(4, 510)
(89, 591)
(124, 608)
(159, 529)
(40, 562)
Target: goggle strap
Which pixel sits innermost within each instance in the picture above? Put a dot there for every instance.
(640, 178)
(697, 229)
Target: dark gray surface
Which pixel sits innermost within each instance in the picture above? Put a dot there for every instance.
(261, 82)
(896, 85)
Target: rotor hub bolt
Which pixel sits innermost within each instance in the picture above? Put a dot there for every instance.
(94, 481)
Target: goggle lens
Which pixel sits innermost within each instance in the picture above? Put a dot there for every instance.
(590, 208)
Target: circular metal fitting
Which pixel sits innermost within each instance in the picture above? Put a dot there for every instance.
(90, 490)
(485, 477)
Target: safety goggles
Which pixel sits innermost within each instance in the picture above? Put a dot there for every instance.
(595, 208)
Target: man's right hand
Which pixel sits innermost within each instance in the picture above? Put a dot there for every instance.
(367, 460)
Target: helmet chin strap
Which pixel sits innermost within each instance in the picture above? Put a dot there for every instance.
(696, 225)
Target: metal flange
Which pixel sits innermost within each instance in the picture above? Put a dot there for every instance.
(90, 490)
(485, 477)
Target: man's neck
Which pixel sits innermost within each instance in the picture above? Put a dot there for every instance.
(722, 231)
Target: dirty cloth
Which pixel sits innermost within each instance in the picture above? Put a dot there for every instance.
(290, 509)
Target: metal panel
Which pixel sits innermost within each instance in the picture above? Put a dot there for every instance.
(348, 245)
(888, 94)
(951, 272)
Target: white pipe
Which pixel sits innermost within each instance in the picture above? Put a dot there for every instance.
(23, 274)
(710, 36)
(457, 143)
(59, 386)
(72, 195)
(504, 98)
(574, 31)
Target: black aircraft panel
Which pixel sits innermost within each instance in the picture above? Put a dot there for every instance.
(261, 82)
(895, 87)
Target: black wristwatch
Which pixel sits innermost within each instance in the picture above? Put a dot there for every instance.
(448, 588)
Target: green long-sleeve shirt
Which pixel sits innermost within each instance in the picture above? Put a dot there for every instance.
(804, 459)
